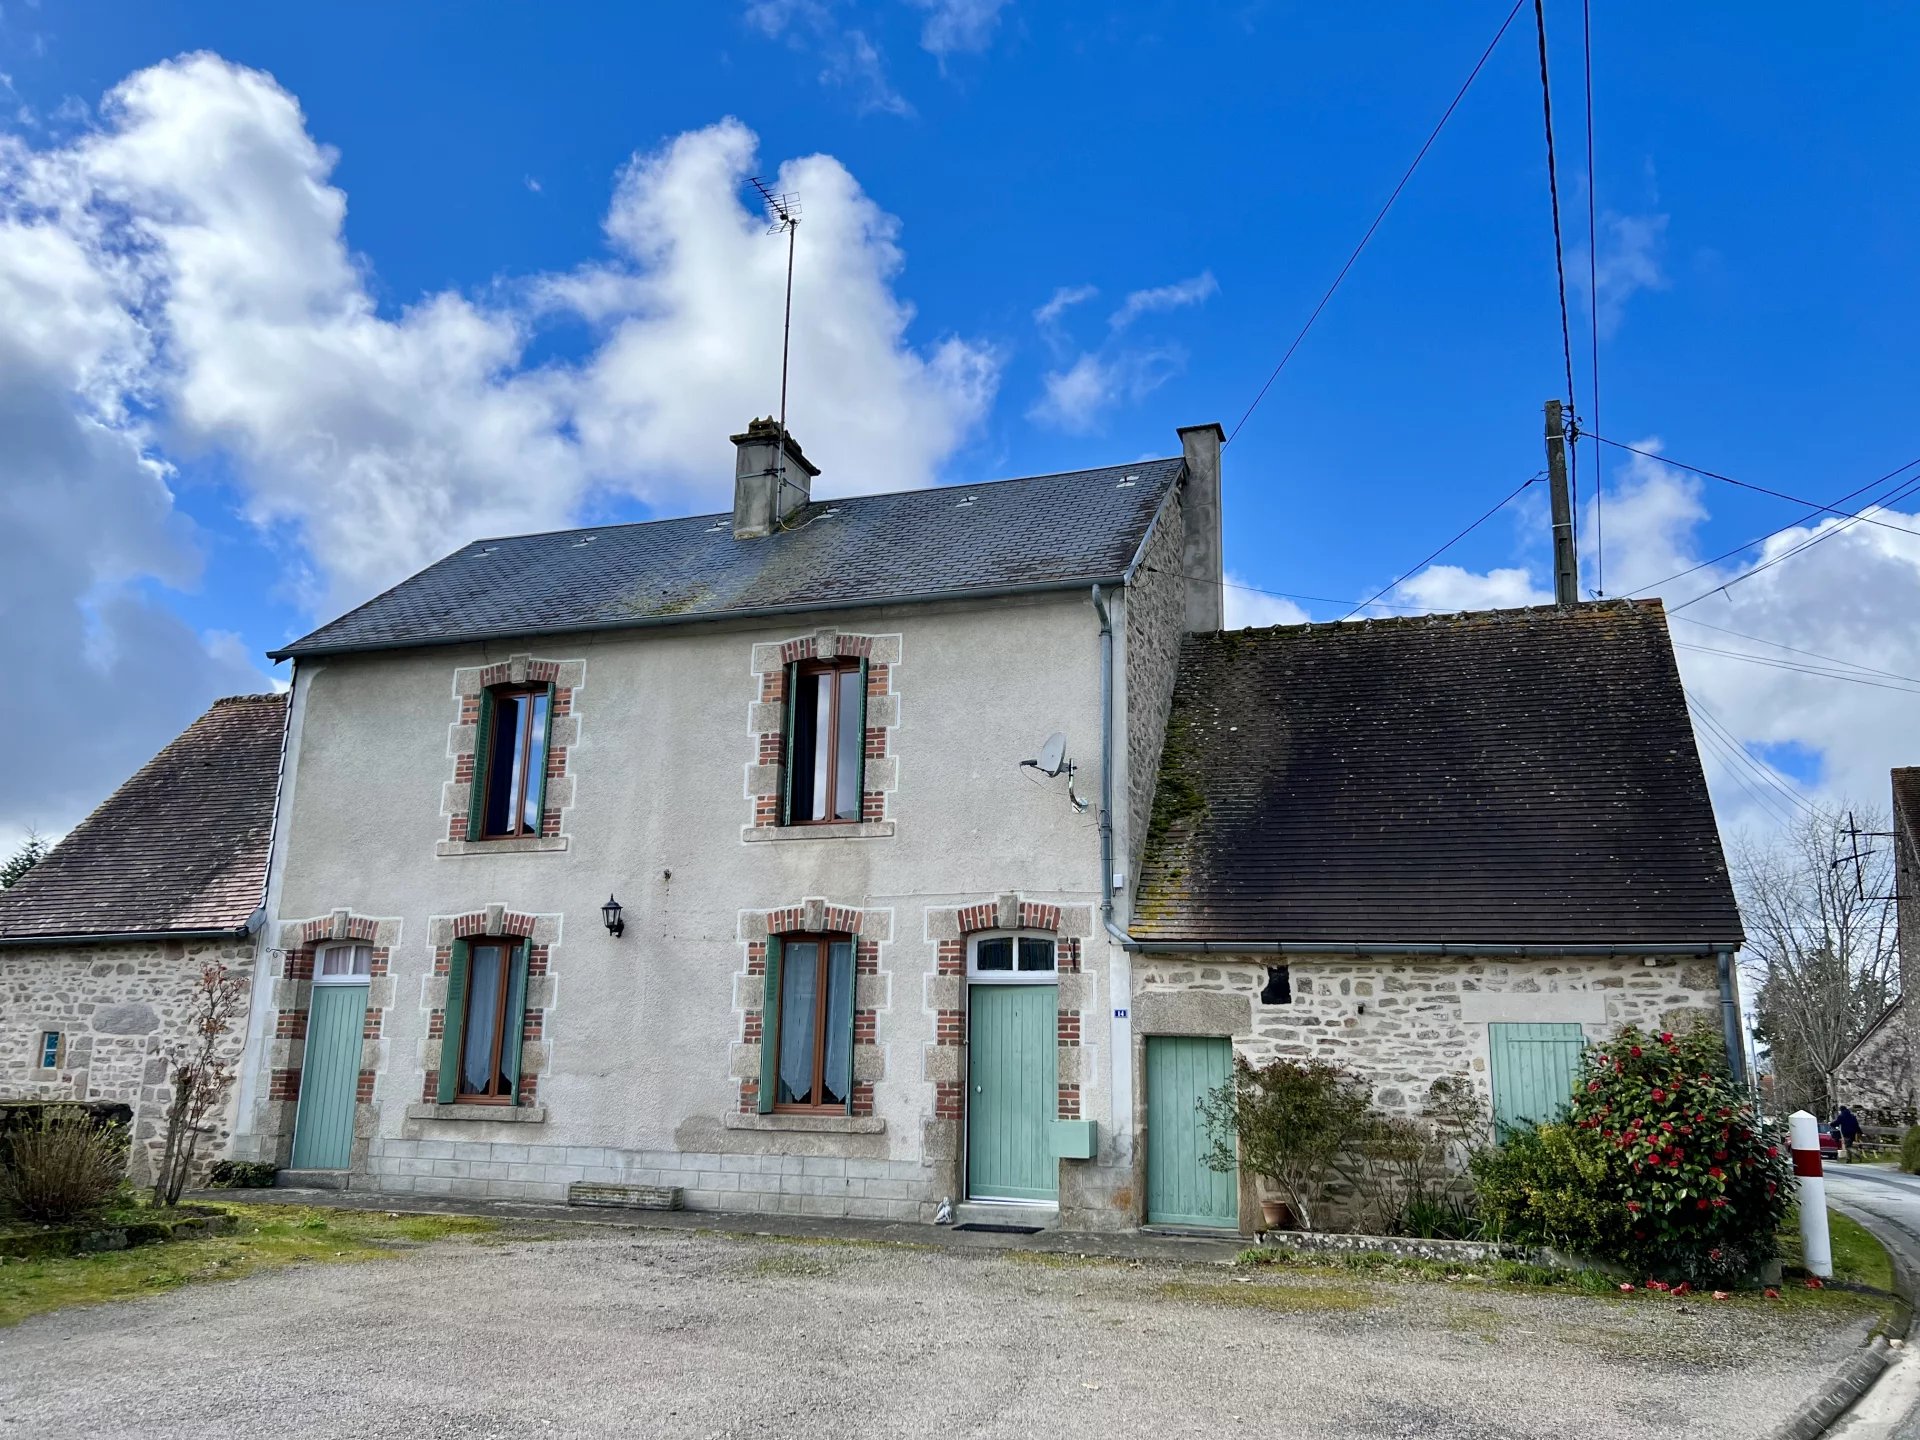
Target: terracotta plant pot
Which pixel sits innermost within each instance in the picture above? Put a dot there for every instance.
(1276, 1215)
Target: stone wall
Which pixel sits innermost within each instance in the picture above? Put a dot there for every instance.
(114, 1007)
(1876, 1080)
(1155, 622)
(1402, 1024)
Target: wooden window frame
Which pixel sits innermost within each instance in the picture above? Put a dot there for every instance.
(59, 1049)
(801, 670)
(353, 975)
(1015, 976)
(826, 940)
(529, 782)
(510, 955)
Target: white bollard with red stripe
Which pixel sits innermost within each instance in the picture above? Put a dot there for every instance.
(1803, 1133)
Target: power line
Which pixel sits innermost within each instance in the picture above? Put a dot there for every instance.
(1444, 548)
(1276, 594)
(1754, 763)
(1899, 492)
(1821, 672)
(1746, 484)
(1446, 115)
(1815, 654)
(1553, 194)
(1593, 314)
(1763, 796)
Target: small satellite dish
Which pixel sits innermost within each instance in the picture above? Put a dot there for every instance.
(1053, 755)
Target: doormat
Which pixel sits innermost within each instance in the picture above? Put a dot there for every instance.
(1000, 1229)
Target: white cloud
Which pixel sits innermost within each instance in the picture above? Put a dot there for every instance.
(1076, 399)
(1064, 299)
(178, 279)
(1246, 605)
(1631, 260)
(1165, 297)
(956, 26)
(847, 56)
(1449, 587)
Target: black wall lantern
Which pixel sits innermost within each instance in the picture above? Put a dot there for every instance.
(610, 912)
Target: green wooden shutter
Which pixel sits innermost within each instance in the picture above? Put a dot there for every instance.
(792, 694)
(770, 1027)
(860, 753)
(455, 1023)
(546, 759)
(516, 1018)
(1534, 1069)
(482, 744)
(853, 958)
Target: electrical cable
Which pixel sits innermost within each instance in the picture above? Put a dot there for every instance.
(1445, 116)
(1511, 495)
(1593, 314)
(1553, 194)
(1815, 654)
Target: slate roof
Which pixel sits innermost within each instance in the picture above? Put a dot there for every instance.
(1077, 528)
(182, 846)
(1503, 777)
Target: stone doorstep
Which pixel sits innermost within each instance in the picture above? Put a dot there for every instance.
(308, 1180)
(1001, 1212)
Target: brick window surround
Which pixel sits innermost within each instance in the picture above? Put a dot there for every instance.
(952, 930)
(871, 929)
(300, 940)
(567, 677)
(541, 933)
(767, 724)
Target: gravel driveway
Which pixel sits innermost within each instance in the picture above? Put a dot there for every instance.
(643, 1333)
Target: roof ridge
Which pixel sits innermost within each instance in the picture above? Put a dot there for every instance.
(814, 500)
(1441, 617)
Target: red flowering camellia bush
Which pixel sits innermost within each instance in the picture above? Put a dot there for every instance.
(1692, 1189)
(1659, 1165)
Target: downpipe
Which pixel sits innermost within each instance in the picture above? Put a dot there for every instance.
(1730, 1019)
(1106, 772)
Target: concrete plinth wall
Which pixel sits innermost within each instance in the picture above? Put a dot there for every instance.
(643, 1050)
(115, 1007)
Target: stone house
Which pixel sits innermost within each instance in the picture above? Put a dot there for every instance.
(104, 941)
(1444, 846)
(865, 958)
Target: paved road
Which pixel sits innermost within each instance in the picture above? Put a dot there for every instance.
(639, 1333)
(1891, 1411)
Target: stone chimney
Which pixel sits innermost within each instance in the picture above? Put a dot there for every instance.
(1204, 558)
(761, 497)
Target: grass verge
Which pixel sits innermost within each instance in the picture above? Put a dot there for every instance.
(265, 1237)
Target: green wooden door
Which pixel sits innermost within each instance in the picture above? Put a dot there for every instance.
(329, 1078)
(1013, 1067)
(1181, 1189)
(1534, 1068)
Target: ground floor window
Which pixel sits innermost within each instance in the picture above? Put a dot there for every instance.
(807, 1032)
(486, 1010)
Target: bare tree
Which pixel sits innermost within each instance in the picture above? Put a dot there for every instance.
(202, 1071)
(1820, 945)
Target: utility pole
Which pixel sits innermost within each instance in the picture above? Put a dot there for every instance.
(1566, 564)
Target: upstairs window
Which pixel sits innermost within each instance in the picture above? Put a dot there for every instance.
(826, 742)
(510, 762)
(485, 1017)
(806, 1028)
(49, 1049)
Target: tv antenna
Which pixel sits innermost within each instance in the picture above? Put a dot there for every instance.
(783, 218)
(1857, 857)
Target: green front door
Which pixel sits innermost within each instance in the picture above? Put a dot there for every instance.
(329, 1078)
(1013, 1067)
(1181, 1188)
(1534, 1067)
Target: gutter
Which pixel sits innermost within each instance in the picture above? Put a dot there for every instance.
(703, 617)
(239, 933)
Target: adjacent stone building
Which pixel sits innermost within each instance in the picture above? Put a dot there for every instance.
(104, 941)
(1427, 848)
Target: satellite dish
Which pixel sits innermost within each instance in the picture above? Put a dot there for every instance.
(1053, 755)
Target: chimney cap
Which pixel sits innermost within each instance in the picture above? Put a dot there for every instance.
(767, 432)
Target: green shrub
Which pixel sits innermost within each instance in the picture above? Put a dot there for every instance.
(65, 1168)
(1287, 1122)
(1660, 1165)
(241, 1174)
(1910, 1150)
(1543, 1187)
(1441, 1217)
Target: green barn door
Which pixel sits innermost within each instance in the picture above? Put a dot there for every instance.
(1181, 1189)
(1534, 1068)
(1013, 1066)
(329, 1078)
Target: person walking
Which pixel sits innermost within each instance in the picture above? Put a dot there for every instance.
(1848, 1124)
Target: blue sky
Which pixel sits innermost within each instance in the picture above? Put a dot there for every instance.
(537, 304)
